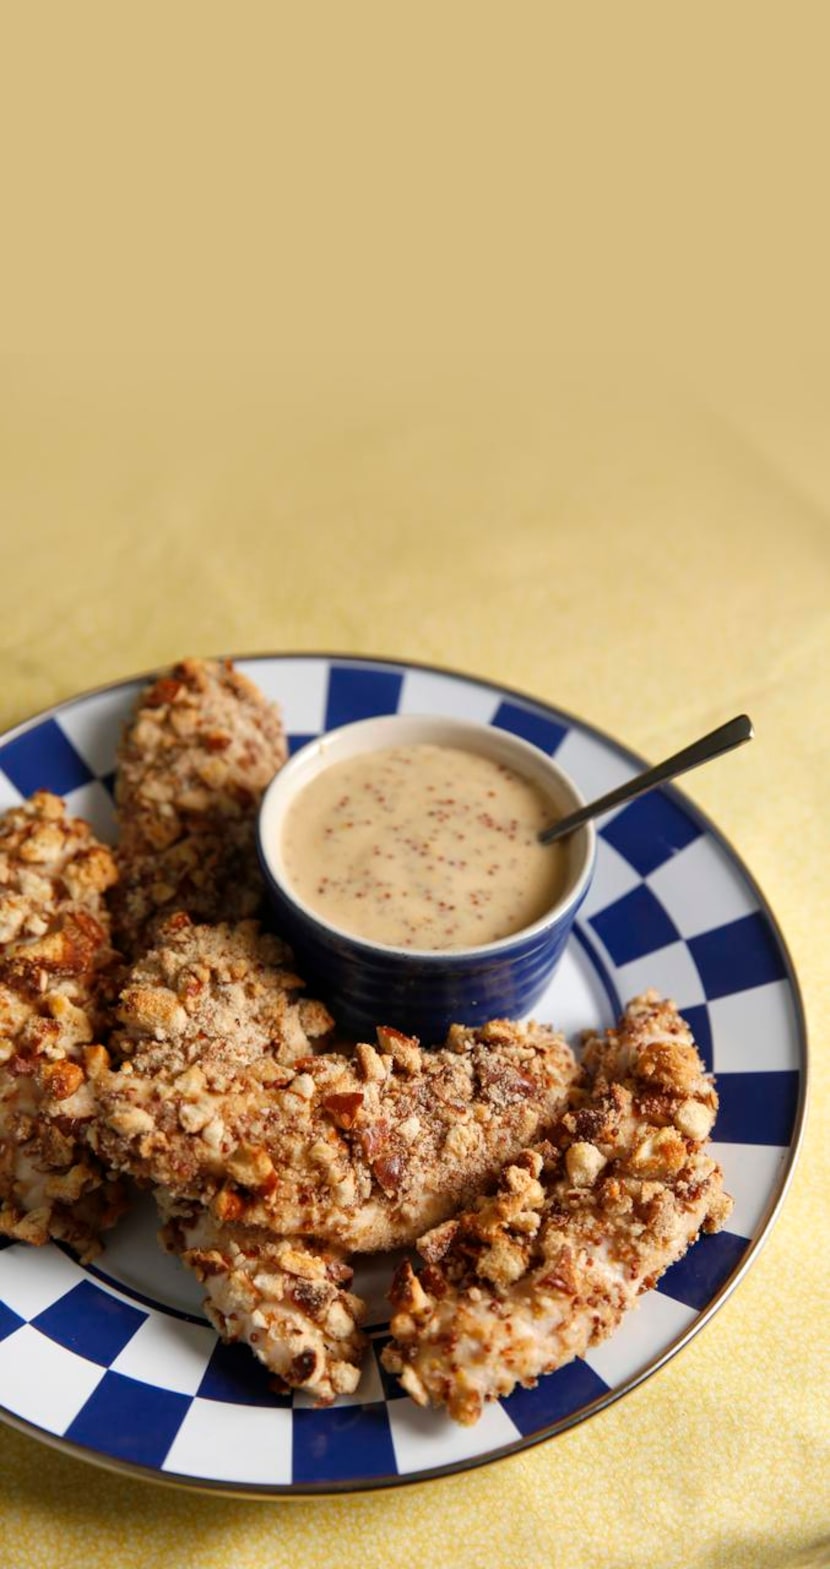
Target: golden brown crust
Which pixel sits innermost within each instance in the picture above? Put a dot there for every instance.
(55, 961)
(191, 770)
(217, 997)
(220, 1099)
(287, 1299)
(546, 1266)
(202, 747)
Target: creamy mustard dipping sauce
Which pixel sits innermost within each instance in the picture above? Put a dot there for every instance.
(422, 847)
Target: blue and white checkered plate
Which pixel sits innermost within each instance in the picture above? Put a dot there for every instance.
(114, 1362)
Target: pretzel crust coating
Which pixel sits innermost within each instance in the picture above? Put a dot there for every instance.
(221, 1100)
(191, 770)
(546, 1266)
(55, 961)
(286, 1298)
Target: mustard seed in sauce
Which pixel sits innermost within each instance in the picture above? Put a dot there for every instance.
(423, 847)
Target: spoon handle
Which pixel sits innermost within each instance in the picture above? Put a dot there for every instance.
(727, 736)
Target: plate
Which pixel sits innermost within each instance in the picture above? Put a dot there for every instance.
(115, 1363)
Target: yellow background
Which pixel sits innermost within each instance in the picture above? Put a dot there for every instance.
(494, 336)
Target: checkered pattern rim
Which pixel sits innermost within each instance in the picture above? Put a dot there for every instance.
(127, 1380)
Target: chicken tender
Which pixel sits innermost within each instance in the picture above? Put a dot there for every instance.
(222, 999)
(191, 770)
(55, 962)
(287, 1299)
(221, 1100)
(536, 1273)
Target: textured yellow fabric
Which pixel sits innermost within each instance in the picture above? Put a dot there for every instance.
(493, 336)
(649, 558)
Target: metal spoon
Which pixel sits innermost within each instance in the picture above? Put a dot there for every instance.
(721, 740)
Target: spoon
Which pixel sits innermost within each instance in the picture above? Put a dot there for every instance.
(712, 745)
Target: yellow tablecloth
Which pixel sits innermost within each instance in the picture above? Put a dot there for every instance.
(493, 337)
(651, 559)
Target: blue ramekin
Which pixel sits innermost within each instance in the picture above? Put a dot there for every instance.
(422, 992)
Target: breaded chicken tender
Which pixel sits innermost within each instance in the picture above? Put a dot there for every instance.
(221, 1100)
(191, 770)
(55, 959)
(286, 1298)
(536, 1273)
(222, 998)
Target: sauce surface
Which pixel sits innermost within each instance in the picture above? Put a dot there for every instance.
(423, 847)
